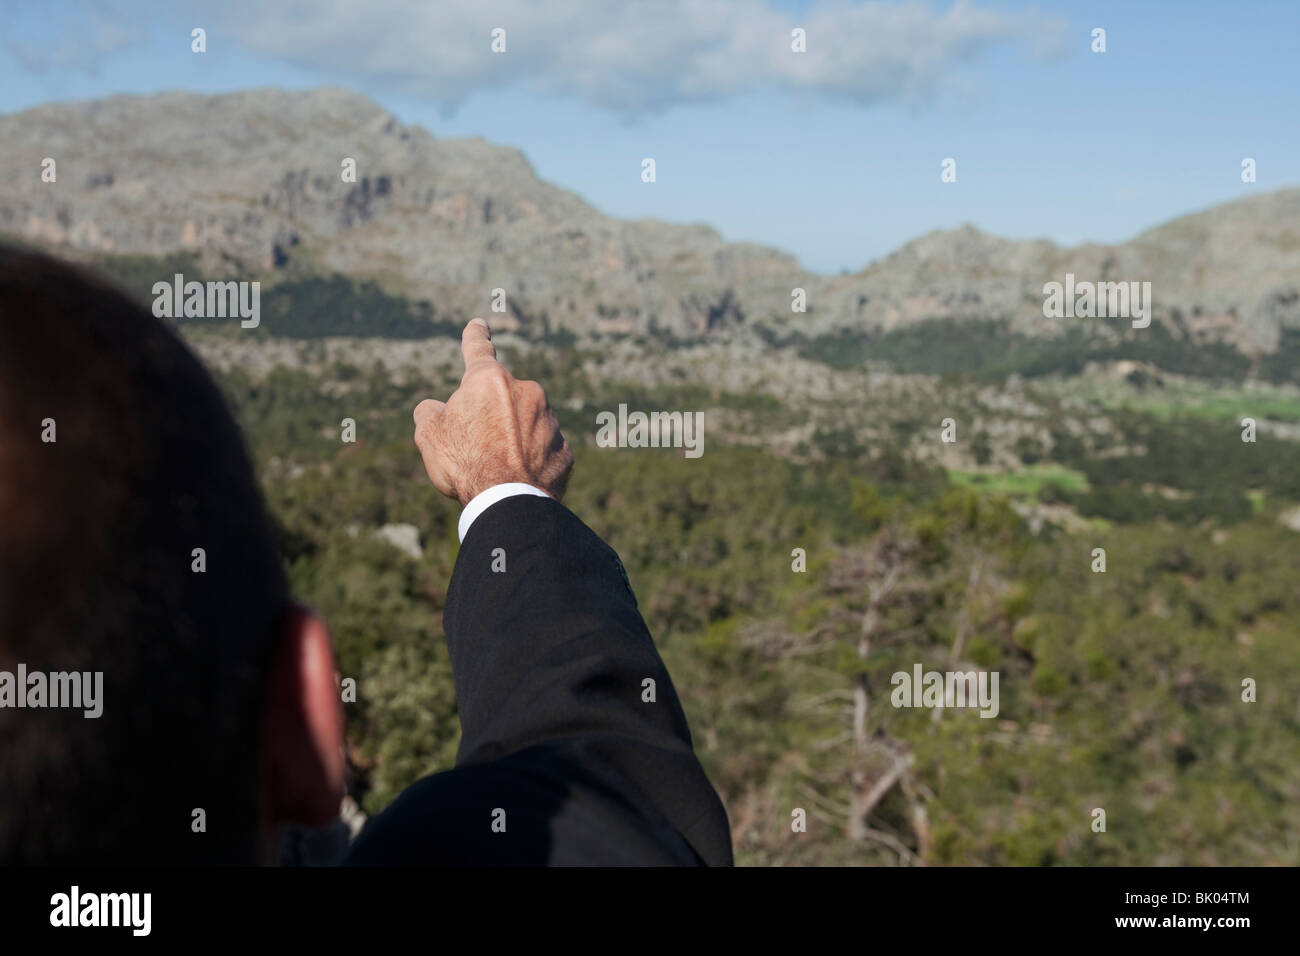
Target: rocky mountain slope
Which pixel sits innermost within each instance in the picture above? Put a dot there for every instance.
(251, 182)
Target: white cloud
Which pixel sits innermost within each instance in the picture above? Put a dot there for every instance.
(632, 56)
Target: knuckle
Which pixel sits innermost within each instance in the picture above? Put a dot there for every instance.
(502, 383)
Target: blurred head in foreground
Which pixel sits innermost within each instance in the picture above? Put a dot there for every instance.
(136, 556)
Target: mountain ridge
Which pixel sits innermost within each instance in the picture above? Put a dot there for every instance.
(254, 177)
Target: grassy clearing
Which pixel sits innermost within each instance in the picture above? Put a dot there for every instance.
(1274, 404)
(1181, 398)
(1025, 483)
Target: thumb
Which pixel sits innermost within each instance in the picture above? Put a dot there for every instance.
(425, 414)
(427, 409)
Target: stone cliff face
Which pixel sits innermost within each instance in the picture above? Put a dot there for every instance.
(1230, 272)
(252, 180)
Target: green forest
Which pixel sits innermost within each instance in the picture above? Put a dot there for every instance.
(1121, 690)
(785, 587)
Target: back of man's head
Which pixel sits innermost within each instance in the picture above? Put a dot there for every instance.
(118, 462)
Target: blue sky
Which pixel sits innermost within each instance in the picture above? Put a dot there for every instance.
(834, 157)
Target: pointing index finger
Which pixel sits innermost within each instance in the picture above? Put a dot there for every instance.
(476, 344)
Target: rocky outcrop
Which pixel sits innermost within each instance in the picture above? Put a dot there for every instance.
(253, 180)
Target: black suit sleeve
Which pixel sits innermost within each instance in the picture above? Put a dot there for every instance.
(559, 747)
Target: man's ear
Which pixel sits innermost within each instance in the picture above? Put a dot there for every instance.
(303, 765)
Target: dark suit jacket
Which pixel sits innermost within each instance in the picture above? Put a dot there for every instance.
(561, 760)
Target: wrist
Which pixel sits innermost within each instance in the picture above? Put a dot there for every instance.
(490, 496)
(479, 486)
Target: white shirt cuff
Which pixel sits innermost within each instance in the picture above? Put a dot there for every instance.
(485, 499)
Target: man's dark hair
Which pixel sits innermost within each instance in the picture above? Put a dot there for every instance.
(98, 530)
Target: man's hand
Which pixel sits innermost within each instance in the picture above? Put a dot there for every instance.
(492, 430)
